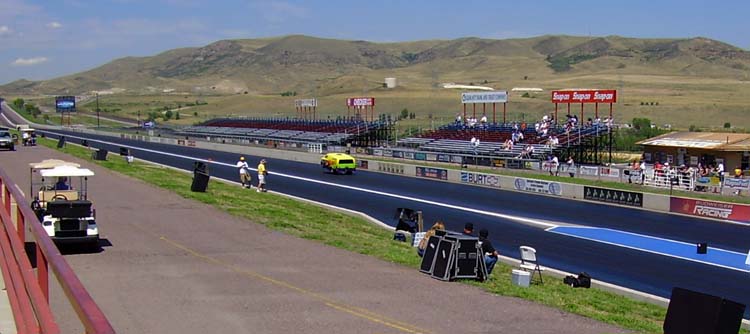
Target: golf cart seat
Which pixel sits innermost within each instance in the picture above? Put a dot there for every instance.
(53, 195)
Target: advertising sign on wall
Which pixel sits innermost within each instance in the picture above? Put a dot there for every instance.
(480, 179)
(360, 101)
(584, 96)
(613, 196)
(731, 211)
(741, 184)
(433, 173)
(362, 164)
(538, 186)
(485, 97)
(306, 103)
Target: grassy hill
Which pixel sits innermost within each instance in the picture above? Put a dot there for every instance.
(695, 81)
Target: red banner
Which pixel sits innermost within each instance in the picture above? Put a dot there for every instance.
(700, 208)
(584, 96)
(360, 101)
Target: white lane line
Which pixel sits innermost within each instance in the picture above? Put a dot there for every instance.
(649, 250)
(370, 191)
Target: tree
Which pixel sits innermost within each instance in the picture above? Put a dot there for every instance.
(177, 115)
(168, 115)
(727, 125)
(404, 113)
(641, 123)
(19, 102)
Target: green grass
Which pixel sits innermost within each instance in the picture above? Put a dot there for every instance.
(357, 235)
(54, 119)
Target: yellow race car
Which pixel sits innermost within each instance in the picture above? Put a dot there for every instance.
(338, 163)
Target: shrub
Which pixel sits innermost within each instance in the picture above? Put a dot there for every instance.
(727, 125)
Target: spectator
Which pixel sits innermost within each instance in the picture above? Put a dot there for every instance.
(553, 166)
(62, 183)
(483, 120)
(468, 229)
(508, 146)
(571, 166)
(423, 243)
(720, 171)
(244, 172)
(458, 118)
(262, 173)
(490, 253)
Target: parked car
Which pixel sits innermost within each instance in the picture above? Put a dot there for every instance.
(6, 140)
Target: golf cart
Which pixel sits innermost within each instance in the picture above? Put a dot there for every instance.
(60, 191)
(29, 136)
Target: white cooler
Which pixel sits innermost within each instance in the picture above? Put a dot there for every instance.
(520, 278)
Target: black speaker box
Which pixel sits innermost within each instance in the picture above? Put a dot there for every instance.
(124, 151)
(429, 255)
(467, 255)
(100, 154)
(200, 182)
(442, 267)
(200, 167)
(61, 142)
(702, 247)
(692, 312)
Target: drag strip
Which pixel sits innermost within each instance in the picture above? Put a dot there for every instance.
(512, 218)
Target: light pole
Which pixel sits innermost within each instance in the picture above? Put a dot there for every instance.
(97, 109)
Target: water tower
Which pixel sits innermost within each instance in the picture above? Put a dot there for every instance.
(390, 82)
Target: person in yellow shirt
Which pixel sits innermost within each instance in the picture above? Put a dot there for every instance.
(262, 172)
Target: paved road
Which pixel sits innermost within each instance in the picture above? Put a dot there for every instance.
(176, 266)
(648, 272)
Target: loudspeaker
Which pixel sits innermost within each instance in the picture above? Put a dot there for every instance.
(61, 142)
(100, 154)
(428, 258)
(124, 151)
(698, 313)
(200, 167)
(702, 247)
(443, 265)
(200, 182)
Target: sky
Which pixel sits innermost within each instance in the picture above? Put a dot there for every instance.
(46, 39)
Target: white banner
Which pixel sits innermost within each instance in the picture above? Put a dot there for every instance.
(485, 97)
(610, 172)
(306, 103)
(741, 184)
(588, 170)
(538, 186)
(480, 179)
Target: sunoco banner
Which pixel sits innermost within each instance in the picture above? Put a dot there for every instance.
(480, 179)
(613, 196)
(730, 211)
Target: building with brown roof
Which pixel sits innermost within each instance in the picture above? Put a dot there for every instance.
(690, 148)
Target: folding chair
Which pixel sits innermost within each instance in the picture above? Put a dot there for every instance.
(530, 263)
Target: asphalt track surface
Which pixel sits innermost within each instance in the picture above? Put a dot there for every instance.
(495, 210)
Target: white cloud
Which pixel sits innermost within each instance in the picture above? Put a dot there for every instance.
(54, 25)
(29, 61)
(4, 30)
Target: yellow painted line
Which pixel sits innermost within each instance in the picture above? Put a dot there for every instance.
(349, 309)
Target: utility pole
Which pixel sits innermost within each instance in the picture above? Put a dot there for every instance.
(97, 109)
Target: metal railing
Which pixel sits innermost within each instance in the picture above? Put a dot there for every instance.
(29, 295)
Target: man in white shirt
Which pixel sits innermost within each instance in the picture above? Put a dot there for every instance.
(244, 173)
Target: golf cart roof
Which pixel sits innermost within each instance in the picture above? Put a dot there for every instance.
(66, 171)
(28, 130)
(52, 163)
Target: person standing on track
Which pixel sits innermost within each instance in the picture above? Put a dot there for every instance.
(262, 172)
(244, 173)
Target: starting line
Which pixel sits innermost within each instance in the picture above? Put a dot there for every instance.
(677, 249)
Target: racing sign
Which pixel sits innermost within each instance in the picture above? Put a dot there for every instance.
(711, 209)
(305, 103)
(433, 173)
(584, 96)
(360, 101)
(499, 96)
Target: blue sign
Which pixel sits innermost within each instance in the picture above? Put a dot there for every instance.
(65, 103)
